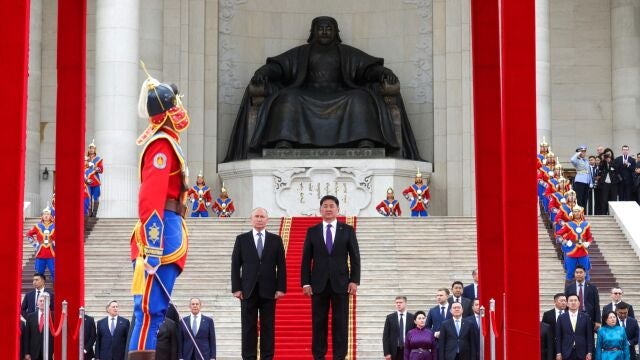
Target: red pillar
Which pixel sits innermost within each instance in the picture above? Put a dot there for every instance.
(70, 134)
(519, 160)
(485, 41)
(15, 59)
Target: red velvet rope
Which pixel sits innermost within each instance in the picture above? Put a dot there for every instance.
(494, 323)
(55, 333)
(74, 336)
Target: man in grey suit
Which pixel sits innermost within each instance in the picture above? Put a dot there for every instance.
(396, 326)
(258, 279)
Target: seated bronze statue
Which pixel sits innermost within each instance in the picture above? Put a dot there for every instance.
(322, 95)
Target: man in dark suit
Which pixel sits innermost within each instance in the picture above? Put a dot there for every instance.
(475, 320)
(33, 333)
(471, 291)
(202, 331)
(89, 337)
(258, 279)
(550, 316)
(169, 345)
(547, 342)
(457, 336)
(627, 165)
(456, 296)
(438, 313)
(616, 298)
(31, 298)
(396, 326)
(590, 298)
(630, 325)
(111, 335)
(574, 333)
(329, 248)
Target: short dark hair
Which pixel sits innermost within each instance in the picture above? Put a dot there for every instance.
(580, 266)
(457, 282)
(592, 157)
(419, 312)
(401, 297)
(330, 197)
(556, 296)
(622, 306)
(41, 275)
(606, 315)
(573, 294)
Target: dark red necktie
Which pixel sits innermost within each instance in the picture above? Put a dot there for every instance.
(581, 297)
(41, 323)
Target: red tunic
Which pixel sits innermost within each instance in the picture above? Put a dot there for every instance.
(45, 241)
(568, 232)
(204, 201)
(389, 208)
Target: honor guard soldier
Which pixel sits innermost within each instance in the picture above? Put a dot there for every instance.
(223, 206)
(559, 197)
(565, 211)
(93, 177)
(42, 237)
(576, 237)
(544, 149)
(159, 239)
(200, 197)
(544, 175)
(418, 196)
(389, 206)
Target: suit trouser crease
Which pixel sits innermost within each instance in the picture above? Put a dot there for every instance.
(321, 303)
(251, 308)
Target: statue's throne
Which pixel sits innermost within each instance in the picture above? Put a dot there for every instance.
(390, 92)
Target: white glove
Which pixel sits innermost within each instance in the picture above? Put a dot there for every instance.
(569, 243)
(586, 244)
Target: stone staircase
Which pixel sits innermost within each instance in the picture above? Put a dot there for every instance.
(402, 256)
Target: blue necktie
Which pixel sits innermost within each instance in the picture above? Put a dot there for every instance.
(442, 312)
(329, 237)
(260, 245)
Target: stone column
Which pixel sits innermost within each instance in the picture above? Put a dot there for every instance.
(543, 74)
(32, 163)
(117, 88)
(625, 50)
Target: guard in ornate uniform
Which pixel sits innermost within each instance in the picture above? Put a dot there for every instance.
(93, 177)
(42, 237)
(159, 239)
(576, 237)
(418, 196)
(544, 149)
(558, 198)
(389, 206)
(200, 197)
(223, 206)
(565, 211)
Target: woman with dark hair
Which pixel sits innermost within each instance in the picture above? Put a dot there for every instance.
(608, 178)
(420, 344)
(612, 341)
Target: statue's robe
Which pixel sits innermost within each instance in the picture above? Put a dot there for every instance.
(321, 97)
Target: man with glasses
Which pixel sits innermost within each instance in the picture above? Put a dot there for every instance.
(583, 177)
(616, 299)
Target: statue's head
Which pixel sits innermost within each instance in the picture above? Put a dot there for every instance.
(324, 31)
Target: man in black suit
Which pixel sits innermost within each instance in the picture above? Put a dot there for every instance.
(574, 333)
(258, 279)
(456, 296)
(471, 291)
(551, 316)
(89, 337)
(457, 337)
(31, 298)
(169, 345)
(630, 325)
(111, 335)
(475, 320)
(590, 298)
(439, 313)
(329, 248)
(33, 333)
(627, 165)
(616, 298)
(396, 326)
(201, 330)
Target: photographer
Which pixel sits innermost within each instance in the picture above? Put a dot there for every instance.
(583, 178)
(608, 179)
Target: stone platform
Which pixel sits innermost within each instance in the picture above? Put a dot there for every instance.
(293, 187)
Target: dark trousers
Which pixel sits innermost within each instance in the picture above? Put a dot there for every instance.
(249, 309)
(582, 193)
(399, 354)
(632, 353)
(624, 190)
(608, 192)
(320, 303)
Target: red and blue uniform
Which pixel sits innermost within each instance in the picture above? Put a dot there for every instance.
(201, 198)
(418, 196)
(92, 176)
(159, 238)
(223, 207)
(87, 200)
(43, 239)
(576, 238)
(389, 208)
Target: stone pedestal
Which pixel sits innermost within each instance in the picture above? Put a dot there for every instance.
(293, 187)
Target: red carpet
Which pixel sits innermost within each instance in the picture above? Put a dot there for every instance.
(293, 312)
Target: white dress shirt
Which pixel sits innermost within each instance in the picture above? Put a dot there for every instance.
(255, 237)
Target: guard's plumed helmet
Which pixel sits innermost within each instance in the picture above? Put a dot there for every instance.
(159, 102)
